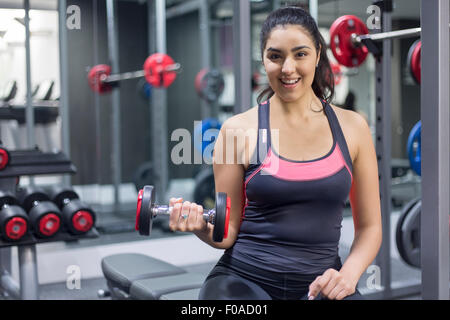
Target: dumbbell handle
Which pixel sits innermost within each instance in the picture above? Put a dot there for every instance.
(166, 210)
(134, 74)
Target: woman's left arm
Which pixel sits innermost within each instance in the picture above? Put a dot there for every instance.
(366, 210)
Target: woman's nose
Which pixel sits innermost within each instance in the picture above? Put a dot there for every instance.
(288, 66)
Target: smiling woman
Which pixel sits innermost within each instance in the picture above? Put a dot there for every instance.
(303, 46)
(287, 195)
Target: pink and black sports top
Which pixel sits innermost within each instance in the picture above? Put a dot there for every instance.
(292, 217)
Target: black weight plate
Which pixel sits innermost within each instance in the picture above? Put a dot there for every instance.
(143, 176)
(59, 193)
(220, 218)
(398, 232)
(408, 225)
(204, 192)
(145, 215)
(411, 235)
(28, 195)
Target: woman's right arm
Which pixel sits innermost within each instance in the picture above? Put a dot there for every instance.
(229, 178)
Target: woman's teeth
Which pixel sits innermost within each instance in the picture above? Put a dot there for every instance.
(290, 81)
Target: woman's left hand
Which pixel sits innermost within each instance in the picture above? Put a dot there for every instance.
(332, 285)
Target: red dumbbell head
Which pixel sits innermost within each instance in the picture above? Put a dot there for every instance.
(49, 224)
(82, 221)
(138, 210)
(16, 228)
(4, 158)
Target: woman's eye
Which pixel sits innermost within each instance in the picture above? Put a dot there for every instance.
(274, 56)
(301, 54)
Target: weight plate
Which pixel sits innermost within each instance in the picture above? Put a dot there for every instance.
(96, 76)
(341, 40)
(413, 61)
(143, 175)
(144, 211)
(408, 233)
(337, 73)
(155, 70)
(209, 84)
(414, 148)
(210, 127)
(220, 220)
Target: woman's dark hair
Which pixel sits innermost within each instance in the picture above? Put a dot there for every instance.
(323, 84)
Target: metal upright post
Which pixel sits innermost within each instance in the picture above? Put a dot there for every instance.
(314, 10)
(29, 285)
(29, 109)
(205, 56)
(64, 84)
(159, 112)
(383, 150)
(435, 149)
(242, 55)
(27, 254)
(113, 50)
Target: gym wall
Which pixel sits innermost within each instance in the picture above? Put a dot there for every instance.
(90, 128)
(183, 44)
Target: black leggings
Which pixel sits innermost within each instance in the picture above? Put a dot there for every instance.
(231, 279)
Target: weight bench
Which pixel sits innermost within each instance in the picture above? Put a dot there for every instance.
(133, 276)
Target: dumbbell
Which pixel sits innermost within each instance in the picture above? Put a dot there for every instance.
(44, 215)
(78, 217)
(4, 158)
(13, 219)
(147, 211)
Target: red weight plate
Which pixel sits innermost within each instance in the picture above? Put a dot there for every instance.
(415, 61)
(155, 70)
(16, 228)
(96, 76)
(82, 221)
(49, 224)
(4, 158)
(337, 73)
(227, 219)
(341, 40)
(138, 210)
(199, 81)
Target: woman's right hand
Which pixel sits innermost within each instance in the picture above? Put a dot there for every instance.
(186, 216)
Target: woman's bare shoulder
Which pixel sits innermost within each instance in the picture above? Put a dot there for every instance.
(354, 127)
(350, 119)
(244, 120)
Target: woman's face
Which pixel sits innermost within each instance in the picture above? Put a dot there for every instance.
(290, 60)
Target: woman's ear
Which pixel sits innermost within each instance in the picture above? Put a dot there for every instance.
(318, 56)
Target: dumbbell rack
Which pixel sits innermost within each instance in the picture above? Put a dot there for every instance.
(31, 163)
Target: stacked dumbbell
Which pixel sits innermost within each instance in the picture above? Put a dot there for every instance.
(77, 217)
(44, 215)
(13, 219)
(4, 158)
